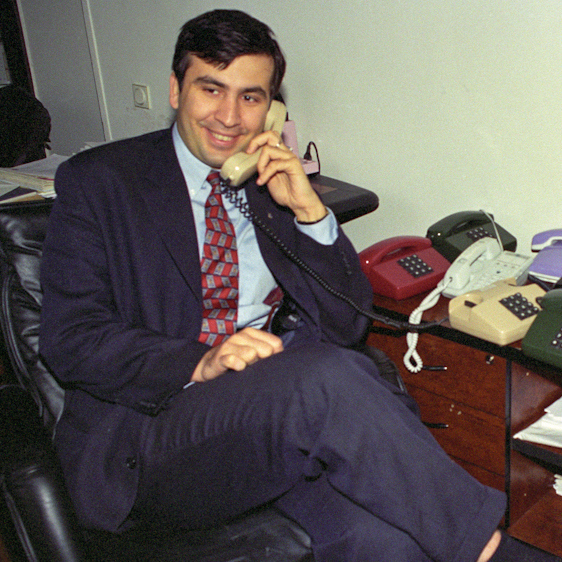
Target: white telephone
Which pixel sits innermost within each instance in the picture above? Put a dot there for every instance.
(239, 167)
(481, 264)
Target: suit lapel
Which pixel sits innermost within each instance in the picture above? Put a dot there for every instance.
(169, 208)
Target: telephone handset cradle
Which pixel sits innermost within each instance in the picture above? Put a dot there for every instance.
(241, 166)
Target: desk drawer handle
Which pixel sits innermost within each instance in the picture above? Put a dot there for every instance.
(436, 425)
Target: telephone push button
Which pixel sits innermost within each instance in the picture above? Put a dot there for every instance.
(520, 306)
(478, 233)
(415, 266)
(557, 341)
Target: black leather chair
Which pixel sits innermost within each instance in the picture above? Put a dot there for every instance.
(30, 478)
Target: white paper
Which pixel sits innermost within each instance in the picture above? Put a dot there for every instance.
(548, 429)
(542, 433)
(44, 168)
(558, 484)
(6, 187)
(555, 410)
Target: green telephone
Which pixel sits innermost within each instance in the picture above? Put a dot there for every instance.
(455, 233)
(543, 341)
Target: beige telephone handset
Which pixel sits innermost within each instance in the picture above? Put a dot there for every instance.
(239, 167)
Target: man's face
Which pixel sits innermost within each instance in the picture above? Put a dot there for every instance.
(220, 111)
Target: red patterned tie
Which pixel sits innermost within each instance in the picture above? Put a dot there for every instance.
(219, 270)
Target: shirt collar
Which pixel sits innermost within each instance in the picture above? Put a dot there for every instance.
(194, 171)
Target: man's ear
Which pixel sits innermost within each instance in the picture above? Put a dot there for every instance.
(174, 91)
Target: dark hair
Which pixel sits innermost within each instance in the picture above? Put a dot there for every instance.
(220, 36)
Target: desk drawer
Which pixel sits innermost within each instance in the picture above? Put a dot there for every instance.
(472, 377)
(484, 476)
(471, 435)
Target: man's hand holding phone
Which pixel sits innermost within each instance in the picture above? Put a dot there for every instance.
(281, 170)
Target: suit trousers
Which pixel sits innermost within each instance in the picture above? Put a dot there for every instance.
(317, 431)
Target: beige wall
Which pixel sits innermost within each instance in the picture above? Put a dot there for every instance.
(437, 106)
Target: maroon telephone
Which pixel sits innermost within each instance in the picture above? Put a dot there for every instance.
(403, 266)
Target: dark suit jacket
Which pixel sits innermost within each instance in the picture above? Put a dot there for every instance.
(122, 305)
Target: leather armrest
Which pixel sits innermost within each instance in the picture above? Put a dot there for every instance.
(390, 373)
(32, 484)
(387, 369)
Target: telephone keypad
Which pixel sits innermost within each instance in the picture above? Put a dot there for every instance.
(507, 265)
(478, 233)
(415, 266)
(520, 306)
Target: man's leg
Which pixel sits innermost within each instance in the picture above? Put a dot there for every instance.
(342, 530)
(227, 445)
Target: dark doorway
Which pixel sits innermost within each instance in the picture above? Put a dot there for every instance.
(13, 47)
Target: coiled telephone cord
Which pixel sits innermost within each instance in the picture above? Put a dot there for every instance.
(412, 359)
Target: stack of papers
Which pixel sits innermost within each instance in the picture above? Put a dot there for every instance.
(548, 429)
(11, 192)
(33, 178)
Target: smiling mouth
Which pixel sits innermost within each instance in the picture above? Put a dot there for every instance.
(223, 138)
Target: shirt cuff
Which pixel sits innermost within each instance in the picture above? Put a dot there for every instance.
(324, 232)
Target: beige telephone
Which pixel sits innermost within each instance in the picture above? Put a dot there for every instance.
(500, 313)
(239, 167)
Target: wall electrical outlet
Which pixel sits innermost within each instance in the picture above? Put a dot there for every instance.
(141, 96)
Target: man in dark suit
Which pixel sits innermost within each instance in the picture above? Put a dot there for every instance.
(181, 409)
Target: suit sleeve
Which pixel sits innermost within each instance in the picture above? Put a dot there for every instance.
(92, 337)
(337, 310)
(329, 316)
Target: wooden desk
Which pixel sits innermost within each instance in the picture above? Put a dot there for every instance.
(480, 395)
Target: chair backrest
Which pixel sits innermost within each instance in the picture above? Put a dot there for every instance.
(22, 232)
(25, 126)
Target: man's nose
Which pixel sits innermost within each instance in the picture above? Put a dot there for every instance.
(228, 112)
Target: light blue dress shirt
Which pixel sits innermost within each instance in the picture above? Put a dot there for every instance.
(256, 281)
